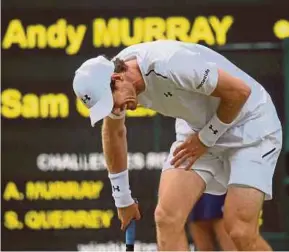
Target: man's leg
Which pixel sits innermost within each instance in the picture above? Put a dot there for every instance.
(202, 235)
(241, 214)
(207, 225)
(178, 192)
(223, 238)
(200, 224)
(251, 172)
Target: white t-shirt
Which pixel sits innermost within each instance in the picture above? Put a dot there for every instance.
(179, 78)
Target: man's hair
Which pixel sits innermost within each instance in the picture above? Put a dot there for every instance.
(119, 67)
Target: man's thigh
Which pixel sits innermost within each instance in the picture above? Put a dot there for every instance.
(178, 192)
(209, 167)
(202, 235)
(242, 207)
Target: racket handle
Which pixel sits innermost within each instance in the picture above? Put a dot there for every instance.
(130, 236)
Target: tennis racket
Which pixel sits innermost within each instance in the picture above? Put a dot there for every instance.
(130, 236)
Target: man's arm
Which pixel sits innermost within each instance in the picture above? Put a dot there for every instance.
(114, 144)
(115, 152)
(233, 93)
(195, 74)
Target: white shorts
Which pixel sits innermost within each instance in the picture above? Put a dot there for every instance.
(250, 166)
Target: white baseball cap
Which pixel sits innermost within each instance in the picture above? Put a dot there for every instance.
(91, 84)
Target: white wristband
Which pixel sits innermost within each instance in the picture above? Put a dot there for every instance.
(213, 130)
(120, 189)
(114, 116)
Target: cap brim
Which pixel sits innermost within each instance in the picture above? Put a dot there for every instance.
(102, 108)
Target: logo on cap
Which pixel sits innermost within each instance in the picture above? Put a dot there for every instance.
(86, 98)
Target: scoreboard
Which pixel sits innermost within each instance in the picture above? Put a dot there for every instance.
(55, 190)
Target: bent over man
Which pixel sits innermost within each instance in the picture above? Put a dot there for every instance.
(234, 146)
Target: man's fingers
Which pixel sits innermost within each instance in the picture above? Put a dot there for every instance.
(179, 148)
(138, 215)
(182, 160)
(124, 225)
(179, 156)
(191, 162)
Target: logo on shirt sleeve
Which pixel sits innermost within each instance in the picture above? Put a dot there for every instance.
(204, 78)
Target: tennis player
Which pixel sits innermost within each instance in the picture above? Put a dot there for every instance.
(234, 147)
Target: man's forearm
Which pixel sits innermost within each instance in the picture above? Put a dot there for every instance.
(233, 93)
(233, 96)
(229, 109)
(114, 145)
(115, 151)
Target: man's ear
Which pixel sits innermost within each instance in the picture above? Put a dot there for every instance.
(116, 76)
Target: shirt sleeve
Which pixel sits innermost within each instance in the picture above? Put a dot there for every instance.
(191, 72)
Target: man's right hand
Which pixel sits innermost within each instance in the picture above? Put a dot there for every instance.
(126, 214)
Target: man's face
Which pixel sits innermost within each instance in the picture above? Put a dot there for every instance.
(124, 96)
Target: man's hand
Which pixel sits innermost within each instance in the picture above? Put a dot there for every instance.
(126, 214)
(189, 151)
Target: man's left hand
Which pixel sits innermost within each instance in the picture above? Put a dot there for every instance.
(189, 151)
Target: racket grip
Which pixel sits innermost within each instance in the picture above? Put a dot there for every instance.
(130, 236)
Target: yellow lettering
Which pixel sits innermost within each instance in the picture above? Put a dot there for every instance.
(137, 32)
(30, 106)
(106, 218)
(178, 28)
(141, 112)
(11, 220)
(34, 190)
(64, 219)
(11, 192)
(39, 36)
(11, 106)
(106, 35)
(260, 221)
(154, 28)
(201, 31)
(14, 105)
(221, 28)
(63, 190)
(75, 37)
(56, 34)
(36, 36)
(15, 34)
(68, 219)
(54, 218)
(115, 32)
(32, 220)
(81, 108)
(54, 105)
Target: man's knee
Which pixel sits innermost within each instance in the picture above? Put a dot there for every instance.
(167, 220)
(241, 233)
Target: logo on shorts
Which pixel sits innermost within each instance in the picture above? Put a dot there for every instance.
(204, 78)
(86, 98)
(116, 188)
(212, 129)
